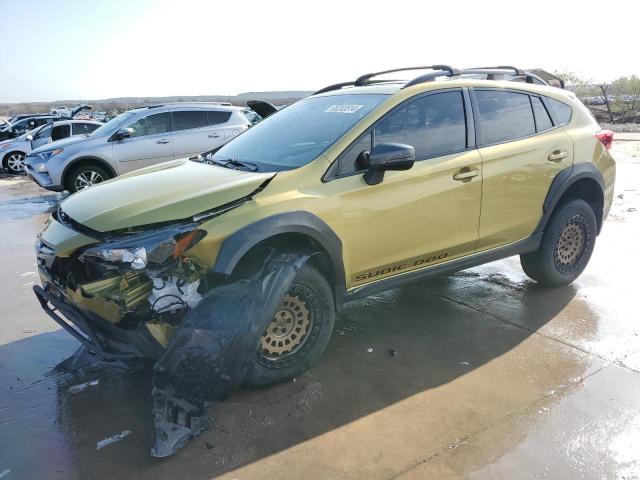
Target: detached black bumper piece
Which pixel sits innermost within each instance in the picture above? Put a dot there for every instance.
(109, 342)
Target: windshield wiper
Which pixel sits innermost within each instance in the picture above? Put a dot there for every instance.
(232, 162)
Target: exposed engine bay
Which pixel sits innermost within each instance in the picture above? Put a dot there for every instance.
(132, 280)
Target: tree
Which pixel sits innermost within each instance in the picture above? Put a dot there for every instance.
(604, 87)
(582, 87)
(627, 92)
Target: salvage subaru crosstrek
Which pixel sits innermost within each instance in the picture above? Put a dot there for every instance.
(368, 185)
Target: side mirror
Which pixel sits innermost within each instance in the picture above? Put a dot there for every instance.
(30, 137)
(123, 133)
(388, 156)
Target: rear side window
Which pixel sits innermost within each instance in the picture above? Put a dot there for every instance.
(216, 118)
(59, 132)
(561, 110)
(83, 128)
(189, 119)
(504, 115)
(543, 121)
(150, 125)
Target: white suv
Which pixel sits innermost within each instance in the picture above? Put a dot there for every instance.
(135, 139)
(13, 151)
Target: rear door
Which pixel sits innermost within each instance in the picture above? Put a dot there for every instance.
(522, 151)
(192, 133)
(150, 143)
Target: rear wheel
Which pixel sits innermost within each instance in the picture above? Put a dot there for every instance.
(85, 176)
(14, 162)
(566, 246)
(299, 332)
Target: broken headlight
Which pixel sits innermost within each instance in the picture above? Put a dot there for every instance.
(153, 249)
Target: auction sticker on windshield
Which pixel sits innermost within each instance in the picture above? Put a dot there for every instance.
(343, 108)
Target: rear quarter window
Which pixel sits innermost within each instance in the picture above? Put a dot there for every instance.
(504, 116)
(218, 117)
(561, 110)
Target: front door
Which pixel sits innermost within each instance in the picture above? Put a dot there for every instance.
(420, 217)
(149, 143)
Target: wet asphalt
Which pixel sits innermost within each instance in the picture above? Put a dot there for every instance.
(479, 375)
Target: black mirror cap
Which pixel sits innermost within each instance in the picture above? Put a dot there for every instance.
(123, 133)
(388, 156)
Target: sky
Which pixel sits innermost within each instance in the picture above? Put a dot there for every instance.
(89, 49)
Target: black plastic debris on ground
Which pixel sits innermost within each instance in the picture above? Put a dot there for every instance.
(214, 349)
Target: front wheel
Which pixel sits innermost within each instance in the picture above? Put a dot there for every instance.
(14, 162)
(85, 176)
(566, 246)
(299, 332)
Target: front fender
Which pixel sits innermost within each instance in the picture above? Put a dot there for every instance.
(302, 222)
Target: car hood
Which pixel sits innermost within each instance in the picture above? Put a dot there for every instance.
(262, 108)
(65, 142)
(165, 192)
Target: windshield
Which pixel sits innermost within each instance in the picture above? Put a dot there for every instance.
(294, 136)
(112, 124)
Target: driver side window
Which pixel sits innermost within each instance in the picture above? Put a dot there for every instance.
(150, 125)
(44, 133)
(434, 125)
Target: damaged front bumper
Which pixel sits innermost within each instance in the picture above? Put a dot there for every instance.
(108, 341)
(139, 295)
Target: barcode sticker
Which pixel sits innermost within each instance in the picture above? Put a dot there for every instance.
(343, 108)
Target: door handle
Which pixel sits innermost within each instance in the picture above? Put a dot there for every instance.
(215, 135)
(163, 141)
(557, 155)
(466, 173)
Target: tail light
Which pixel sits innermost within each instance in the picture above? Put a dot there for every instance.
(606, 138)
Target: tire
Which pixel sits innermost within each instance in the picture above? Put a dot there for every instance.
(85, 176)
(13, 161)
(566, 247)
(309, 289)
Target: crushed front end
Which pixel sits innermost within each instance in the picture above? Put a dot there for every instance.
(121, 294)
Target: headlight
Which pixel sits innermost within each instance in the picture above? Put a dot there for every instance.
(153, 249)
(41, 167)
(50, 153)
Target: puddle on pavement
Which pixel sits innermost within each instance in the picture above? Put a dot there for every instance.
(28, 207)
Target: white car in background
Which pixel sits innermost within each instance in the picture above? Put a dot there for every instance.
(135, 139)
(13, 151)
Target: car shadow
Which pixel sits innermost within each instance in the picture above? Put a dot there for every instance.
(385, 348)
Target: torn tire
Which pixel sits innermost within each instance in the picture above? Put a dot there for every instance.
(299, 331)
(214, 349)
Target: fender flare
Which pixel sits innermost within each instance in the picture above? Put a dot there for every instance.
(561, 183)
(235, 246)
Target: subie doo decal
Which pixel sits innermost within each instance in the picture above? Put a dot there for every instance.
(402, 266)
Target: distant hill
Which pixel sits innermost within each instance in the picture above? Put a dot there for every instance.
(126, 103)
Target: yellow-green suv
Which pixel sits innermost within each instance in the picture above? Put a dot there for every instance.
(367, 185)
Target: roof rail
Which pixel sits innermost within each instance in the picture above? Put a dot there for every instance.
(366, 79)
(363, 79)
(437, 71)
(500, 70)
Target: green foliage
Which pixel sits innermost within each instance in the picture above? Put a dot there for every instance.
(626, 91)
